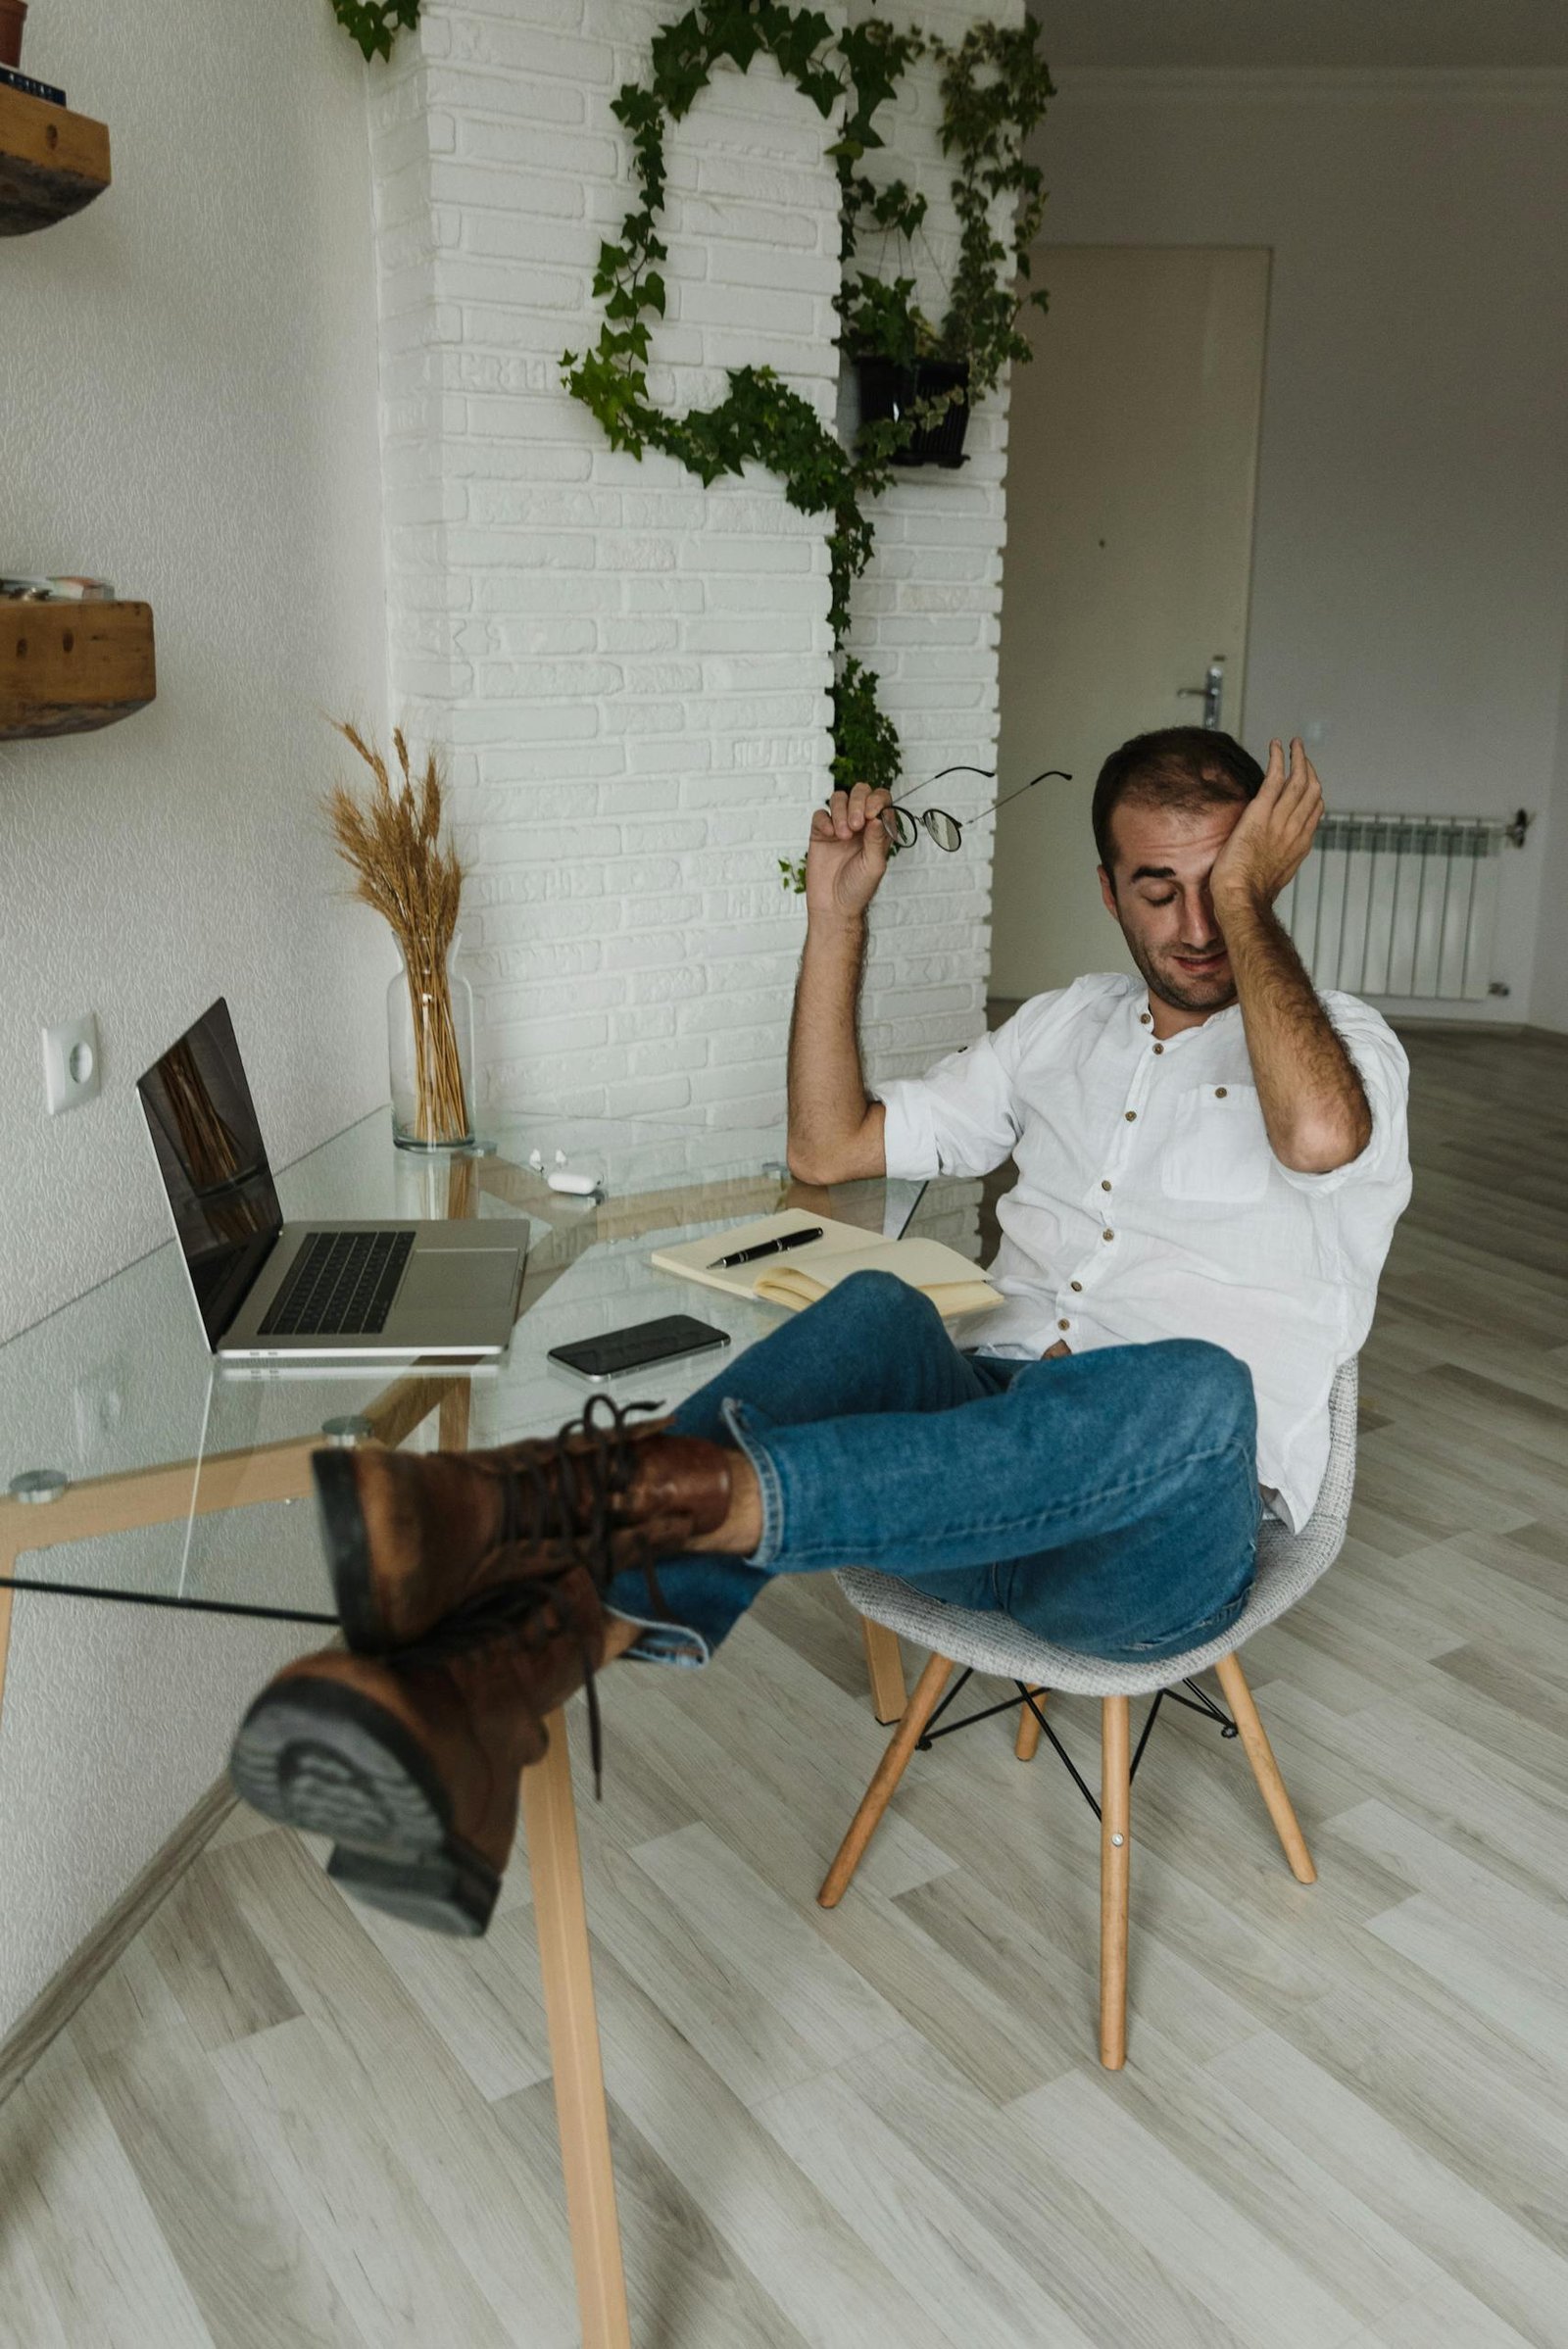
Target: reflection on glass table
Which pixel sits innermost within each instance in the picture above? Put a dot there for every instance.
(184, 1486)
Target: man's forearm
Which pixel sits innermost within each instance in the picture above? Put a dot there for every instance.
(1314, 1105)
(830, 1118)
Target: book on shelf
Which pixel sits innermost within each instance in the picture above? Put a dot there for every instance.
(798, 1277)
(12, 79)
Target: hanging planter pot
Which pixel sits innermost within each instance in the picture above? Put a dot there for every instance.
(888, 389)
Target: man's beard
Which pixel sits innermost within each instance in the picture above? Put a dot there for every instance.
(1191, 994)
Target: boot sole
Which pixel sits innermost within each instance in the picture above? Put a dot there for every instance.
(329, 1761)
(348, 1552)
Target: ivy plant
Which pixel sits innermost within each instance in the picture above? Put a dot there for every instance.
(993, 89)
(376, 24)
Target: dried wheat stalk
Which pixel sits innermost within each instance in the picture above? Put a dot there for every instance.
(391, 841)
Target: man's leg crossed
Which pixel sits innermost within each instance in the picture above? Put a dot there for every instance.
(872, 1346)
(1109, 1500)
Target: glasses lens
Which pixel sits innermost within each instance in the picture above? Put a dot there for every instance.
(942, 828)
(900, 827)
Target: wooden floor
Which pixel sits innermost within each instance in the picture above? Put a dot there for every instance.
(1344, 2119)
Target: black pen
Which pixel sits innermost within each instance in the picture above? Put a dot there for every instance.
(769, 1247)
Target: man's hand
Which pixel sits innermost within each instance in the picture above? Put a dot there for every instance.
(1269, 844)
(846, 854)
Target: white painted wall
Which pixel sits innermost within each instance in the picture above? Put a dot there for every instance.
(1410, 584)
(633, 671)
(189, 409)
(1548, 996)
(187, 403)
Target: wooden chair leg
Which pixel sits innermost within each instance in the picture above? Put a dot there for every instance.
(1266, 1771)
(884, 1661)
(1116, 1835)
(555, 1863)
(879, 1793)
(1028, 1740)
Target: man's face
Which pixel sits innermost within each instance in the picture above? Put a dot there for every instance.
(1164, 858)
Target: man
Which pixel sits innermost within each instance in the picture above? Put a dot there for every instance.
(1210, 1166)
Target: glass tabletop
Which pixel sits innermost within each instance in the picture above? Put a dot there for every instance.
(170, 1480)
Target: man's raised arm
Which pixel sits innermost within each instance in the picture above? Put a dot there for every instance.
(835, 1131)
(1314, 1105)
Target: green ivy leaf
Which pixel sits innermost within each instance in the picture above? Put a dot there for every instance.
(376, 24)
(993, 89)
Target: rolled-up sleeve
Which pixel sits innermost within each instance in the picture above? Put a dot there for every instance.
(957, 1119)
(1384, 1073)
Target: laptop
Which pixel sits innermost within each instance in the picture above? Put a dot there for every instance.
(274, 1292)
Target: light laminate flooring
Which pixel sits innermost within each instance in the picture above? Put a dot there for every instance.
(1344, 2119)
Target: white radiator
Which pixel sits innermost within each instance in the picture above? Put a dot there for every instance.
(1401, 904)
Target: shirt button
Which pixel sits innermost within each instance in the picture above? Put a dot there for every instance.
(1131, 1116)
(1064, 1325)
(1143, 1019)
(1107, 1234)
(1219, 1093)
(1104, 1185)
(1077, 1284)
(1160, 1048)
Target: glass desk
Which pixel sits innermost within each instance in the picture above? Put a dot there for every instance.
(168, 1479)
(173, 1483)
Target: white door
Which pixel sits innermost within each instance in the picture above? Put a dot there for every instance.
(1132, 453)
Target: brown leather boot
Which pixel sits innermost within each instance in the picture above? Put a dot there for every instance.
(413, 1766)
(412, 1536)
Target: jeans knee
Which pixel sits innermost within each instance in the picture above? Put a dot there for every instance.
(881, 1298)
(1215, 1387)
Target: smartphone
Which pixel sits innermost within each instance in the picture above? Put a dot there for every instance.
(639, 1346)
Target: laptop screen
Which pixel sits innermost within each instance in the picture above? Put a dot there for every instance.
(211, 1156)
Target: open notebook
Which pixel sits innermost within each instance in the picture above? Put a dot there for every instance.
(802, 1275)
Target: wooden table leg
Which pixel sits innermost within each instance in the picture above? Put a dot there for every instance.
(452, 1418)
(562, 1922)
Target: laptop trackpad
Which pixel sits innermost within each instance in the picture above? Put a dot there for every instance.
(452, 1279)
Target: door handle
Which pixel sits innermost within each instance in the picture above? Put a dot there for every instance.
(1210, 692)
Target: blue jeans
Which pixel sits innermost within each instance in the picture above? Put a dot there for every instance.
(1108, 1502)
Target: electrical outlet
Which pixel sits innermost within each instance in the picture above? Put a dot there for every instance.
(100, 1404)
(71, 1064)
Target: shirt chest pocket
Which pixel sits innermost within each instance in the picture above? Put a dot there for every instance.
(1218, 1148)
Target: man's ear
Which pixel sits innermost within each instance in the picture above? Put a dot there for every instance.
(1107, 891)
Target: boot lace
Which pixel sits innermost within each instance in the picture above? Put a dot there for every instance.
(529, 1613)
(554, 1494)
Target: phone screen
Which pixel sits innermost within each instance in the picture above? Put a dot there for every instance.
(636, 1348)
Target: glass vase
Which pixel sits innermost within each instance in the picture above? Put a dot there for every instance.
(430, 1035)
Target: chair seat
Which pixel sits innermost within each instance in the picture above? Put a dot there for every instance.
(1288, 1565)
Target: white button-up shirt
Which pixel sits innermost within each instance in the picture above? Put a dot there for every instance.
(1149, 1203)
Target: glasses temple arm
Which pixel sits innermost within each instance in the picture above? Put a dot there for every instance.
(1018, 794)
(988, 772)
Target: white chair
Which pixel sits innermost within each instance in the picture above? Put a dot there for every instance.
(1288, 1565)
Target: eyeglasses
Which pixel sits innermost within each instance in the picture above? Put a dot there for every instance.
(904, 828)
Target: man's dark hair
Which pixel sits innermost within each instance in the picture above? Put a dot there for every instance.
(1179, 767)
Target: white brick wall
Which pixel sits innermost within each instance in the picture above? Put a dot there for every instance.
(631, 672)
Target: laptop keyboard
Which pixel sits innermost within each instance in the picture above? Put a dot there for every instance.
(342, 1286)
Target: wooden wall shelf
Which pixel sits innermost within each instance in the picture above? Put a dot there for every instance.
(69, 669)
(51, 162)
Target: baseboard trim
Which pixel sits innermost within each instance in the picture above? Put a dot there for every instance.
(59, 2000)
(1416, 1023)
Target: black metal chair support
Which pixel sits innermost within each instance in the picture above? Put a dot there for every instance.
(1199, 1701)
